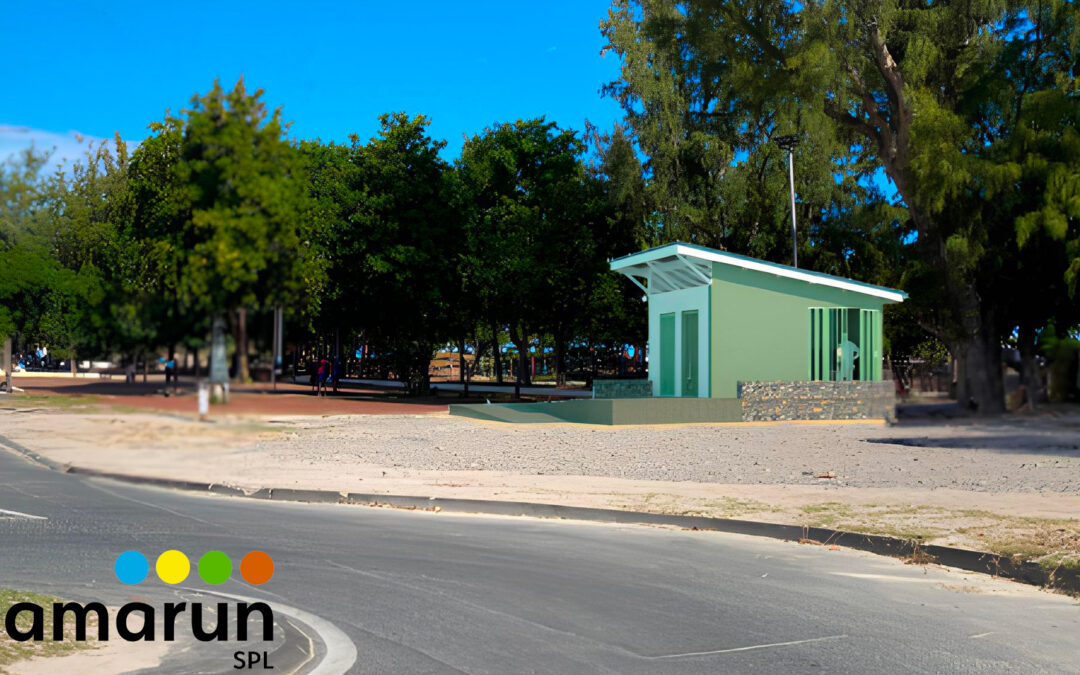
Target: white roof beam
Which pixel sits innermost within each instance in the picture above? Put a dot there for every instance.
(671, 283)
(637, 283)
(696, 270)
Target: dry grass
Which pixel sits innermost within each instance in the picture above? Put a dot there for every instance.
(12, 652)
(1053, 543)
(24, 401)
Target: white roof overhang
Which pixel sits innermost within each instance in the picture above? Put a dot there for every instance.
(677, 266)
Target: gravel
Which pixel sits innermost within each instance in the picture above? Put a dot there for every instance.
(1027, 455)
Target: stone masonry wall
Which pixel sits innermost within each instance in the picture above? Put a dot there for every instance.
(622, 388)
(772, 401)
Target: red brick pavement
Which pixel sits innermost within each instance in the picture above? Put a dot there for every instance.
(255, 399)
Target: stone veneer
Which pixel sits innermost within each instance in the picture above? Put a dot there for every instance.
(772, 401)
(622, 388)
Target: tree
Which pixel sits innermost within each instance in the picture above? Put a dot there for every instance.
(915, 89)
(25, 267)
(533, 251)
(402, 242)
(222, 196)
(103, 270)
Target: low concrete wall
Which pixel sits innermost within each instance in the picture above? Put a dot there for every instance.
(772, 401)
(609, 411)
(622, 388)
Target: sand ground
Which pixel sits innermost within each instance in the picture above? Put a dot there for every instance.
(1010, 486)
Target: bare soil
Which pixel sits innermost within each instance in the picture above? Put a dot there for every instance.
(1009, 486)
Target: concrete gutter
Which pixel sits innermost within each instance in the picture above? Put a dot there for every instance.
(1067, 580)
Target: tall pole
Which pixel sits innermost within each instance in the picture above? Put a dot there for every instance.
(274, 353)
(7, 365)
(788, 143)
(791, 184)
(279, 346)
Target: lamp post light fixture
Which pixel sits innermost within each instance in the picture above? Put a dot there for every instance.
(788, 143)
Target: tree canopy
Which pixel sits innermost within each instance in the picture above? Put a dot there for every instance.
(969, 110)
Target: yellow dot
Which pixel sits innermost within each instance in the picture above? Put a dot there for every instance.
(173, 567)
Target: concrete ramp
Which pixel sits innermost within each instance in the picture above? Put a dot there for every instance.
(516, 413)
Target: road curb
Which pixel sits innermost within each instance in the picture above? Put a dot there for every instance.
(972, 561)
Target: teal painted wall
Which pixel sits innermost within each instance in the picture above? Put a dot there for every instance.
(760, 328)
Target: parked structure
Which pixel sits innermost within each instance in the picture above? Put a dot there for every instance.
(733, 338)
(717, 319)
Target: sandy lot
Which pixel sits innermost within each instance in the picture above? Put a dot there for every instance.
(1008, 486)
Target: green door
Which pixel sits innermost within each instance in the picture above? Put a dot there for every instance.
(667, 354)
(690, 353)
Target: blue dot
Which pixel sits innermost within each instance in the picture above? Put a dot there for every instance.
(131, 567)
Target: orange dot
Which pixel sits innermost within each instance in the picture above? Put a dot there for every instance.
(257, 568)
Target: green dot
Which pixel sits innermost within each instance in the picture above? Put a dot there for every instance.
(215, 567)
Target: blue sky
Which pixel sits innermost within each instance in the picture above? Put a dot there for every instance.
(95, 68)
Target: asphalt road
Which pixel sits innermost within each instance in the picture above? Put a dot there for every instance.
(433, 593)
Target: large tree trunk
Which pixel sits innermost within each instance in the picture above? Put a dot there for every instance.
(1029, 365)
(519, 337)
(243, 373)
(495, 353)
(171, 373)
(463, 364)
(6, 364)
(219, 366)
(335, 367)
(560, 359)
(981, 385)
(960, 388)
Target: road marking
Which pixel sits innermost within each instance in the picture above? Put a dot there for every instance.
(18, 514)
(340, 650)
(980, 635)
(746, 649)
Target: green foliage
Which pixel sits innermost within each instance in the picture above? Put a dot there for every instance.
(543, 229)
(405, 236)
(25, 267)
(222, 195)
(970, 109)
(706, 88)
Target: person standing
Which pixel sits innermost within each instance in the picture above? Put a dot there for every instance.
(323, 373)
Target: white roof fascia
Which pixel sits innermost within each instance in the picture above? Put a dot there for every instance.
(681, 250)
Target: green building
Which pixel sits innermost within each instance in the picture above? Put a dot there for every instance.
(717, 319)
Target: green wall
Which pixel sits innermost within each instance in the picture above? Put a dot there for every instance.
(760, 325)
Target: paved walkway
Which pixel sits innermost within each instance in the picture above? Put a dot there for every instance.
(254, 399)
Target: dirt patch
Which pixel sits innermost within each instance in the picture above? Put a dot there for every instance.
(968, 487)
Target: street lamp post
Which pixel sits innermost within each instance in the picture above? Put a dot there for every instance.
(788, 143)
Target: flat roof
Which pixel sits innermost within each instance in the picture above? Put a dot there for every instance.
(679, 265)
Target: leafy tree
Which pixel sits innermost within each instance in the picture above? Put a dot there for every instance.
(222, 196)
(100, 300)
(926, 92)
(401, 244)
(25, 267)
(533, 233)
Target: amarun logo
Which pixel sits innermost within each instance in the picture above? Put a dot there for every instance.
(26, 621)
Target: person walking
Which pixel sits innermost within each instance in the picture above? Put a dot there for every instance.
(323, 373)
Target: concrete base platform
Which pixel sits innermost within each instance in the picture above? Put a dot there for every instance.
(612, 411)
